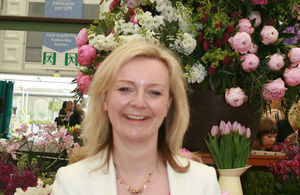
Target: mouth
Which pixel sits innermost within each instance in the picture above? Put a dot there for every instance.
(135, 117)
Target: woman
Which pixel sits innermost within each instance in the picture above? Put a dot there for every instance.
(265, 135)
(137, 117)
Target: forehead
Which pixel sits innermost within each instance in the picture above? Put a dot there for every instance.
(145, 69)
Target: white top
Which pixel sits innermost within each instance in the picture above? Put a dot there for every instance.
(80, 178)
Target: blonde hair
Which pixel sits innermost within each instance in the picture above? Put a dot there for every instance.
(97, 133)
(294, 116)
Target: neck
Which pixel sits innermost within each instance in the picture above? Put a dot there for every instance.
(127, 154)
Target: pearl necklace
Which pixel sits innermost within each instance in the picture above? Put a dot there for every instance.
(139, 190)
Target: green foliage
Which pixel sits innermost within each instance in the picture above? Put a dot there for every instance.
(259, 183)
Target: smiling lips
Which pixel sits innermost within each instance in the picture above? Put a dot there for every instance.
(135, 117)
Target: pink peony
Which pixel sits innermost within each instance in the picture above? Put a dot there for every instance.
(260, 2)
(84, 84)
(269, 35)
(78, 76)
(250, 62)
(292, 76)
(255, 15)
(274, 90)
(86, 54)
(235, 97)
(294, 55)
(253, 49)
(241, 42)
(245, 26)
(81, 38)
(276, 62)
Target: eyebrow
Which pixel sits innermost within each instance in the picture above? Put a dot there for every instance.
(133, 83)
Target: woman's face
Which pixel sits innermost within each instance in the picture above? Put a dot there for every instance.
(268, 140)
(138, 100)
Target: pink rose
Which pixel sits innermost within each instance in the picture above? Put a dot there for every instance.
(245, 26)
(292, 76)
(253, 49)
(269, 35)
(260, 2)
(250, 62)
(84, 84)
(274, 90)
(86, 54)
(78, 76)
(241, 42)
(81, 38)
(255, 15)
(235, 97)
(276, 62)
(294, 55)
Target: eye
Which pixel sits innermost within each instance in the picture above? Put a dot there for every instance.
(124, 89)
(156, 93)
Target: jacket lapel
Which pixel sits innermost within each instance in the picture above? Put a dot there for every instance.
(178, 182)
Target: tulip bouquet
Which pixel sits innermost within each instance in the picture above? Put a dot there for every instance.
(247, 50)
(229, 145)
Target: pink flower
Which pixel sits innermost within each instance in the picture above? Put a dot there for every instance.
(84, 84)
(86, 54)
(113, 4)
(255, 15)
(242, 130)
(292, 76)
(260, 2)
(250, 62)
(241, 42)
(235, 97)
(225, 193)
(235, 126)
(245, 26)
(132, 19)
(81, 38)
(294, 55)
(222, 127)
(269, 35)
(214, 130)
(253, 49)
(276, 62)
(248, 133)
(78, 76)
(274, 90)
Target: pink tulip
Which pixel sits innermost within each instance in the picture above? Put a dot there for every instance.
(260, 2)
(250, 62)
(274, 90)
(222, 127)
(245, 26)
(84, 84)
(294, 55)
(292, 76)
(235, 126)
(269, 35)
(255, 15)
(227, 128)
(81, 38)
(86, 55)
(248, 133)
(241, 42)
(276, 62)
(253, 49)
(242, 130)
(214, 130)
(235, 97)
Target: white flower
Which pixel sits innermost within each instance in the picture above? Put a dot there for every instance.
(196, 73)
(38, 190)
(186, 44)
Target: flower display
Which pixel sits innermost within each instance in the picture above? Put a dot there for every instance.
(235, 97)
(229, 145)
(222, 44)
(274, 90)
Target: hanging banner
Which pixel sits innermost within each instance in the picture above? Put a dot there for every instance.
(59, 50)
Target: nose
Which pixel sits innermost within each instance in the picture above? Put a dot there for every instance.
(138, 100)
